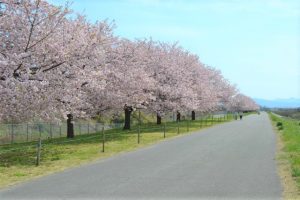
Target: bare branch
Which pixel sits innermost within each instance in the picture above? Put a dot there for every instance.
(3, 54)
(47, 35)
(32, 26)
(54, 66)
(35, 79)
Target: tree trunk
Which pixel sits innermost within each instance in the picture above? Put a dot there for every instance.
(178, 116)
(193, 115)
(70, 126)
(128, 110)
(158, 119)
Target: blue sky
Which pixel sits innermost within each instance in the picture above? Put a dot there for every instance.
(256, 44)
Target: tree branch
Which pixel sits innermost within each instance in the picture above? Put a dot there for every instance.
(46, 36)
(54, 66)
(15, 74)
(35, 79)
(32, 26)
(3, 54)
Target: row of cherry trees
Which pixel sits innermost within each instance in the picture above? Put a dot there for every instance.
(53, 64)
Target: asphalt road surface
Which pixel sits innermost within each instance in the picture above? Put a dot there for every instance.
(235, 160)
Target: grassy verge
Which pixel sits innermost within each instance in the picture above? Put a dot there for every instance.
(17, 161)
(289, 154)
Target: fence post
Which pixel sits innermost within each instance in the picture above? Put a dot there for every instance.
(79, 128)
(40, 131)
(12, 133)
(38, 153)
(139, 132)
(103, 140)
(50, 130)
(27, 138)
(177, 127)
(59, 130)
(96, 127)
(201, 122)
(187, 128)
(164, 130)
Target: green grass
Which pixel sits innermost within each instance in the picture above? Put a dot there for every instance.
(18, 161)
(289, 130)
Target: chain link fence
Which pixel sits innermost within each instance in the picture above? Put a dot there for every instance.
(33, 143)
(26, 132)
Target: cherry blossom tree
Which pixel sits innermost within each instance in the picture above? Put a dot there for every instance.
(164, 67)
(53, 65)
(128, 85)
(46, 59)
(241, 103)
(25, 30)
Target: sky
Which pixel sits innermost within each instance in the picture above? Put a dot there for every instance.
(256, 44)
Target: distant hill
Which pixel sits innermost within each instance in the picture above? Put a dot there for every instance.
(279, 103)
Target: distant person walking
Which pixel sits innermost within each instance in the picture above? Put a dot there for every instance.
(241, 115)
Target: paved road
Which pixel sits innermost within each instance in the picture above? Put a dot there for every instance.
(232, 160)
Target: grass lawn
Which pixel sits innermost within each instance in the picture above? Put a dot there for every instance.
(289, 133)
(18, 161)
